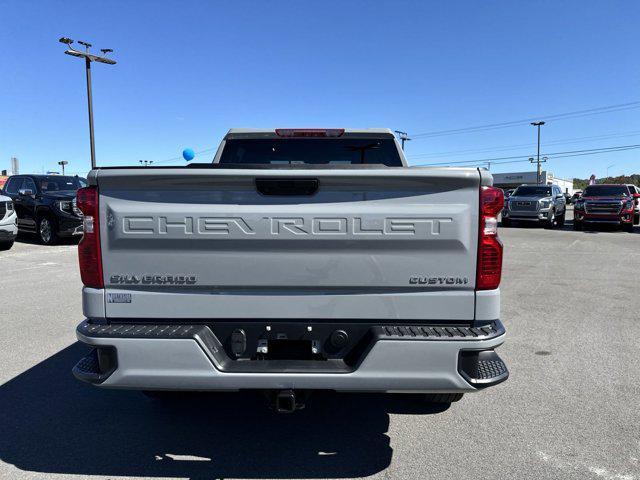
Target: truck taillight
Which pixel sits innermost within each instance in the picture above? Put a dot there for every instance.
(89, 253)
(489, 268)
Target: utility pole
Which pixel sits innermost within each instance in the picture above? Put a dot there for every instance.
(62, 163)
(146, 163)
(88, 58)
(403, 136)
(538, 124)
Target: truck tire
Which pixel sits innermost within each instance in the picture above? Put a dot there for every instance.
(550, 223)
(6, 245)
(628, 227)
(47, 231)
(506, 222)
(560, 219)
(577, 226)
(443, 397)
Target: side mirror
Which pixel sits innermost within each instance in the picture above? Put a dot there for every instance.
(636, 195)
(25, 192)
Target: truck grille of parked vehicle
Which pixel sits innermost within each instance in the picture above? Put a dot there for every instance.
(602, 207)
(523, 206)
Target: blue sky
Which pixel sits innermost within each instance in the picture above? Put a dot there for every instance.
(187, 71)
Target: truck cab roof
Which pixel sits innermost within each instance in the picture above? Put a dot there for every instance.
(272, 132)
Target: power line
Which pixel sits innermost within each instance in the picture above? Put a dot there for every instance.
(569, 153)
(564, 141)
(200, 152)
(559, 116)
(565, 156)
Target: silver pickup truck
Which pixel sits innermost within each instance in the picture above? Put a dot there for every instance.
(298, 259)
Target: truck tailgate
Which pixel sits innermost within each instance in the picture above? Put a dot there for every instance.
(368, 244)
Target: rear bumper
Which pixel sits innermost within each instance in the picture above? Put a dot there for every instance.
(189, 357)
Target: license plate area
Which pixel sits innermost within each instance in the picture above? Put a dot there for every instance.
(291, 349)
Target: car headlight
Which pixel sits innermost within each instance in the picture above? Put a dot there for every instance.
(65, 206)
(628, 205)
(9, 206)
(545, 203)
(579, 205)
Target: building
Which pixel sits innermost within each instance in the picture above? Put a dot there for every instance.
(515, 179)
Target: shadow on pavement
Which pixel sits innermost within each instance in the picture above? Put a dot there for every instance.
(32, 239)
(568, 226)
(52, 423)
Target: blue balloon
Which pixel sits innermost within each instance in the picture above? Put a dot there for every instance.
(188, 154)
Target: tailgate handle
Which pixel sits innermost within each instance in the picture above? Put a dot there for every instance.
(287, 186)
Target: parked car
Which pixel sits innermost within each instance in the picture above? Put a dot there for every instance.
(8, 223)
(302, 259)
(46, 205)
(606, 204)
(544, 204)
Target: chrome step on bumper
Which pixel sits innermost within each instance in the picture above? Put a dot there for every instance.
(410, 358)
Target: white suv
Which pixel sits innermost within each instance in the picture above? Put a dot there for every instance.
(8, 223)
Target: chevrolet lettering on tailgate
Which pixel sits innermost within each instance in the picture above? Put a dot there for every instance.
(274, 226)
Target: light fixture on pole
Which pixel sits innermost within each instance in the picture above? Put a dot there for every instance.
(88, 57)
(62, 163)
(146, 163)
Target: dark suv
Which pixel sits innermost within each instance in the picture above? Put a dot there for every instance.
(607, 203)
(46, 205)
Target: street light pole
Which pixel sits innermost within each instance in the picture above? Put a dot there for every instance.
(608, 167)
(90, 106)
(538, 124)
(62, 163)
(88, 58)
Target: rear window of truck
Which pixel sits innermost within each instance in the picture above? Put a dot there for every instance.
(311, 151)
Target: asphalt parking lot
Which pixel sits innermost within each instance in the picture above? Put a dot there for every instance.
(571, 305)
